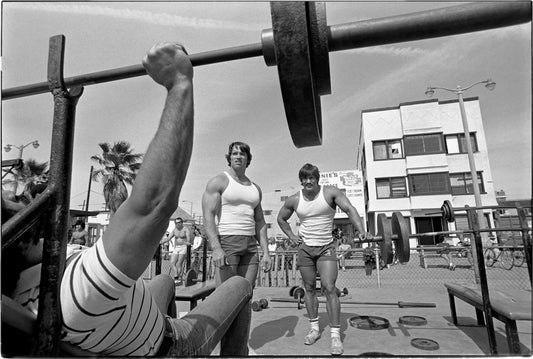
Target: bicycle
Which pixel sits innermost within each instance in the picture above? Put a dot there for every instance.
(503, 255)
(518, 257)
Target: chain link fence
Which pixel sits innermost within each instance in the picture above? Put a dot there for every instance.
(424, 269)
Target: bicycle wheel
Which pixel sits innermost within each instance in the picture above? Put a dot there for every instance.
(490, 257)
(518, 258)
(506, 259)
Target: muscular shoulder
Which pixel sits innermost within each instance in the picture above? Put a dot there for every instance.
(292, 201)
(217, 183)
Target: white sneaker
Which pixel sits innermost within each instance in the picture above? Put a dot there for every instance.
(312, 337)
(336, 346)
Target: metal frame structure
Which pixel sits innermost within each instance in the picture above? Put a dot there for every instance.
(54, 202)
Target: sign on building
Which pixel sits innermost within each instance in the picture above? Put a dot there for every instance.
(351, 184)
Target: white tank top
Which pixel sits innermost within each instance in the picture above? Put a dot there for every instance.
(237, 209)
(316, 220)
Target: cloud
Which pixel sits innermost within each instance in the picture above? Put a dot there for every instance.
(143, 16)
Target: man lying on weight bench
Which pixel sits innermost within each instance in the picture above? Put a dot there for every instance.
(106, 307)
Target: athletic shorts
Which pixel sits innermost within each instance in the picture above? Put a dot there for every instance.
(180, 249)
(240, 250)
(308, 256)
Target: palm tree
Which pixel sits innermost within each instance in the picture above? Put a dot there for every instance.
(119, 167)
(31, 175)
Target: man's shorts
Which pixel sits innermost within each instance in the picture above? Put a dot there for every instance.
(240, 250)
(180, 249)
(308, 256)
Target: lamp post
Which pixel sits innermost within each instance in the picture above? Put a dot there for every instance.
(21, 148)
(459, 91)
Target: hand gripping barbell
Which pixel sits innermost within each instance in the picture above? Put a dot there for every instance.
(299, 44)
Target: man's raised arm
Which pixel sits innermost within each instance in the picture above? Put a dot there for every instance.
(138, 225)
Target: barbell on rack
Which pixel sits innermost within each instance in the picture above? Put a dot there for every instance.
(447, 211)
(299, 44)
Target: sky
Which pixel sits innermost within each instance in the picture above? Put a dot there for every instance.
(241, 100)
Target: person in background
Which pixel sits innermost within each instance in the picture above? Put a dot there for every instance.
(79, 235)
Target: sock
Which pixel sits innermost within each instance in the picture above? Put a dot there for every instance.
(314, 324)
(336, 332)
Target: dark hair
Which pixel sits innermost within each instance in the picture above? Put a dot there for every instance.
(244, 148)
(81, 223)
(178, 219)
(308, 170)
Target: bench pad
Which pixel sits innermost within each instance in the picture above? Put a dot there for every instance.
(513, 304)
(199, 290)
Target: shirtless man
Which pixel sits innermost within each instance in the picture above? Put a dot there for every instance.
(315, 207)
(236, 201)
(80, 235)
(182, 238)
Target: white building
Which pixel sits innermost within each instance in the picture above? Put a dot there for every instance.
(413, 157)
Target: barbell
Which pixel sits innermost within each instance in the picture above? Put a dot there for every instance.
(299, 43)
(447, 211)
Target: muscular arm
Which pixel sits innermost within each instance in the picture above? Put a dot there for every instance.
(284, 214)
(210, 207)
(344, 204)
(261, 231)
(138, 225)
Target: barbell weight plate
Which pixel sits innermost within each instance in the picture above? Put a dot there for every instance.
(291, 291)
(447, 211)
(413, 320)
(401, 230)
(384, 231)
(256, 306)
(190, 277)
(298, 293)
(263, 302)
(318, 41)
(298, 85)
(369, 322)
(425, 344)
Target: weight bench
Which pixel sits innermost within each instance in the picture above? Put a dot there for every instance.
(507, 307)
(195, 292)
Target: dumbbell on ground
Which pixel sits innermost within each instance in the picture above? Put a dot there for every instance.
(259, 305)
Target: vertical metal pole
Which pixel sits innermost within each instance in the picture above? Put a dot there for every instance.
(526, 236)
(89, 190)
(55, 238)
(473, 173)
(473, 220)
(376, 253)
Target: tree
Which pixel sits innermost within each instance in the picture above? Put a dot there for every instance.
(119, 167)
(30, 176)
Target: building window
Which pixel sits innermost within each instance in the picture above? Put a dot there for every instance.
(457, 143)
(387, 150)
(429, 183)
(461, 183)
(283, 198)
(393, 187)
(423, 144)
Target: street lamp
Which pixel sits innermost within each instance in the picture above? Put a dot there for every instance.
(21, 148)
(490, 85)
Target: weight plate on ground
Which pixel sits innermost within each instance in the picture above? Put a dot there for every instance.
(401, 230)
(298, 85)
(369, 322)
(384, 231)
(190, 277)
(413, 320)
(291, 291)
(425, 344)
(298, 293)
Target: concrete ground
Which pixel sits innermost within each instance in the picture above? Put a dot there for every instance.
(279, 330)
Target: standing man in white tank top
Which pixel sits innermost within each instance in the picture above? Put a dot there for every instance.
(315, 207)
(233, 218)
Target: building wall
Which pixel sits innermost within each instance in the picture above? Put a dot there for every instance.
(420, 118)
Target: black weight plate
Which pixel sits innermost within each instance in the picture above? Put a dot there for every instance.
(318, 41)
(298, 85)
(400, 228)
(291, 291)
(425, 344)
(369, 322)
(190, 277)
(413, 320)
(385, 232)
